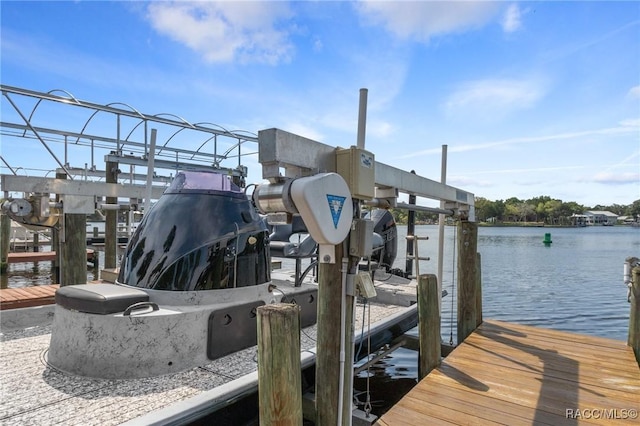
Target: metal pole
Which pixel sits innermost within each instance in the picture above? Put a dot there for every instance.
(441, 219)
(362, 118)
(150, 166)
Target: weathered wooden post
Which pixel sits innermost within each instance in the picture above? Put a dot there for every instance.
(328, 359)
(111, 221)
(279, 369)
(467, 302)
(634, 315)
(428, 324)
(73, 249)
(5, 242)
(56, 238)
(478, 290)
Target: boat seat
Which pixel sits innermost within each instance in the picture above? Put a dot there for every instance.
(99, 298)
(281, 246)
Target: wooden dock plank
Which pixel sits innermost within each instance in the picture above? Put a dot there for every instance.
(513, 374)
(598, 384)
(485, 408)
(555, 367)
(557, 340)
(24, 297)
(40, 256)
(617, 357)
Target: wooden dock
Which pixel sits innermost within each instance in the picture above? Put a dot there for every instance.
(41, 256)
(512, 374)
(26, 297)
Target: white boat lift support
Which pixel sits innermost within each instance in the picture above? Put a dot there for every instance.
(285, 157)
(297, 156)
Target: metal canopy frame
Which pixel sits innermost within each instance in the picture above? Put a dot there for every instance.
(216, 144)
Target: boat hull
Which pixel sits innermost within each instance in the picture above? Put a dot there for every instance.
(175, 331)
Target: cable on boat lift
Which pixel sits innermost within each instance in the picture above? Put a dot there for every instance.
(453, 284)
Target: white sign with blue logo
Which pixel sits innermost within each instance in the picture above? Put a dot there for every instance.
(335, 206)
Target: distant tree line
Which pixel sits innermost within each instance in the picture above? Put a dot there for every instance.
(542, 209)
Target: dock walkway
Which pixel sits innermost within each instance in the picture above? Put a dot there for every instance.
(25, 297)
(512, 374)
(41, 256)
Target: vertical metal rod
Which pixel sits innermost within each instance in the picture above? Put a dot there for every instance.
(411, 230)
(146, 136)
(215, 149)
(441, 219)
(150, 166)
(118, 134)
(362, 118)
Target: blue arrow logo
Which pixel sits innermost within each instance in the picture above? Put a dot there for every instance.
(335, 206)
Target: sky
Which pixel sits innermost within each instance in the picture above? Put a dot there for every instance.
(530, 98)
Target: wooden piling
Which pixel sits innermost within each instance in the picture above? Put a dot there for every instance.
(5, 242)
(71, 258)
(478, 289)
(467, 302)
(111, 220)
(634, 316)
(279, 369)
(56, 239)
(73, 251)
(327, 358)
(428, 324)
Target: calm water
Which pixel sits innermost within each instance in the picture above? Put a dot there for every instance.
(575, 284)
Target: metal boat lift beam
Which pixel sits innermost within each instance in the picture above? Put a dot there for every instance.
(299, 156)
(81, 188)
(172, 165)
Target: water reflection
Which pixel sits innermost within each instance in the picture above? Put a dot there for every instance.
(388, 380)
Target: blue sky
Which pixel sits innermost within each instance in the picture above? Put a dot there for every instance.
(531, 98)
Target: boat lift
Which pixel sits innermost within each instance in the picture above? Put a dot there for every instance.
(288, 159)
(347, 177)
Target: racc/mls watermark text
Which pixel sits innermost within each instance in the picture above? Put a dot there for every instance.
(601, 413)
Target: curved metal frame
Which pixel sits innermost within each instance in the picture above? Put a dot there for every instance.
(179, 157)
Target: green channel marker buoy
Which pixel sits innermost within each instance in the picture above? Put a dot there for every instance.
(547, 238)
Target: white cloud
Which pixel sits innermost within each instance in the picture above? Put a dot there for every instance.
(494, 97)
(226, 31)
(634, 92)
(631, 122)
(617, 178)
(609, 131)
(317, 45)
(421, 20)
(511, 21)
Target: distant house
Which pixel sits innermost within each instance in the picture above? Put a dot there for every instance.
(600, 217)
(578, 219)
(626, 220)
